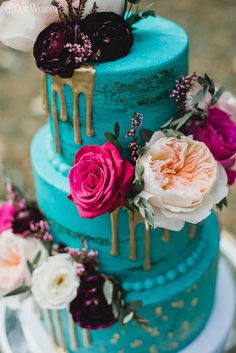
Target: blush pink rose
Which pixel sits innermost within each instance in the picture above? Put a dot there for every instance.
(182, 181)
(7, 211)
(219, 134)
(99, 180)
(15, 251)
(227, 103)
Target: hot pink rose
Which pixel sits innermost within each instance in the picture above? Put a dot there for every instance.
(219, 134)
(99, 180)
(7, 211)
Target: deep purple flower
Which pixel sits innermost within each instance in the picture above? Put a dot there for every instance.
(25, 219)
(90, 309)
(61, 48)
(218, 132)
(109, 33)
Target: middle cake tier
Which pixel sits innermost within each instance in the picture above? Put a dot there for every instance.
(126, 248)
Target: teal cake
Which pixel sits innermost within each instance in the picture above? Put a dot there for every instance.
(173, 273)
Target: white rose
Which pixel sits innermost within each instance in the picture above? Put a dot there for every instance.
(15, 251)
(55, 282)
(227, 103)
(20, 24)
(21, 21)
(182, 181)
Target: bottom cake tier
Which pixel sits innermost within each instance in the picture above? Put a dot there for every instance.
(174, 319)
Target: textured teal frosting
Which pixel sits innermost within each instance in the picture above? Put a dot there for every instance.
(139, 82)
(178, 291)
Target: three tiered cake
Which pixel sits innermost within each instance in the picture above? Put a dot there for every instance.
(143, 209)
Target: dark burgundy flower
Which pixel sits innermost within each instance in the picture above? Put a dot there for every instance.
(25, 218)
(90, 309)
(61, 48)
(109, 33)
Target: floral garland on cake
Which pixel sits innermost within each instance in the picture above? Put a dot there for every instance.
(177, 175)
(65, 34)
(56, 277)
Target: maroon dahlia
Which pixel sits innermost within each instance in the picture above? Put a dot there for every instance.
(25, 218)
(109, 33)
(90, 309)
(61, 48)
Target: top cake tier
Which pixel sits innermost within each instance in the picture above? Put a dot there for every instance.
(85, 106)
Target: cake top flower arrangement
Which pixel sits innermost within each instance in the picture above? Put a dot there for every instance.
(64, 34)
(177, 175)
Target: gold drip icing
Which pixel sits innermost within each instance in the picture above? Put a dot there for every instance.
(74, 344)
(147, 245)
(114, 232)
(59, 329)
(192, 231)
(51, 327)
(82, 82)
(45, 94)
(165, 235)
(134, 219)
(86, 338)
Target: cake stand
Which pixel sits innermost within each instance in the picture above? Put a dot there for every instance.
(22, 332)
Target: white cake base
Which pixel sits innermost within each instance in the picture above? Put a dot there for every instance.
(211, 340)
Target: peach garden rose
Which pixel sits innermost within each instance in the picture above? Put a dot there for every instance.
(182, 181)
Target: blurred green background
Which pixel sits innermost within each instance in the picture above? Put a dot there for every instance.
(212, 31)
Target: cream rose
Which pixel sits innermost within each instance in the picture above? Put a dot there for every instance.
(15, 251)
(21, 21)
(182, 181)
(55, 282)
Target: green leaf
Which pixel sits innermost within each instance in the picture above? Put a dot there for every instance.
(149, 13)
(139, 170)
(117, 130)
(30, 267)
(108, 289)
(127, 318)
(167, 124)
(37, 258)
(184, 120)
(172, 133)
(222, 204)
(112, 139)
(210, 83)
(20, 290)
(217, 96)
(146, 135)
